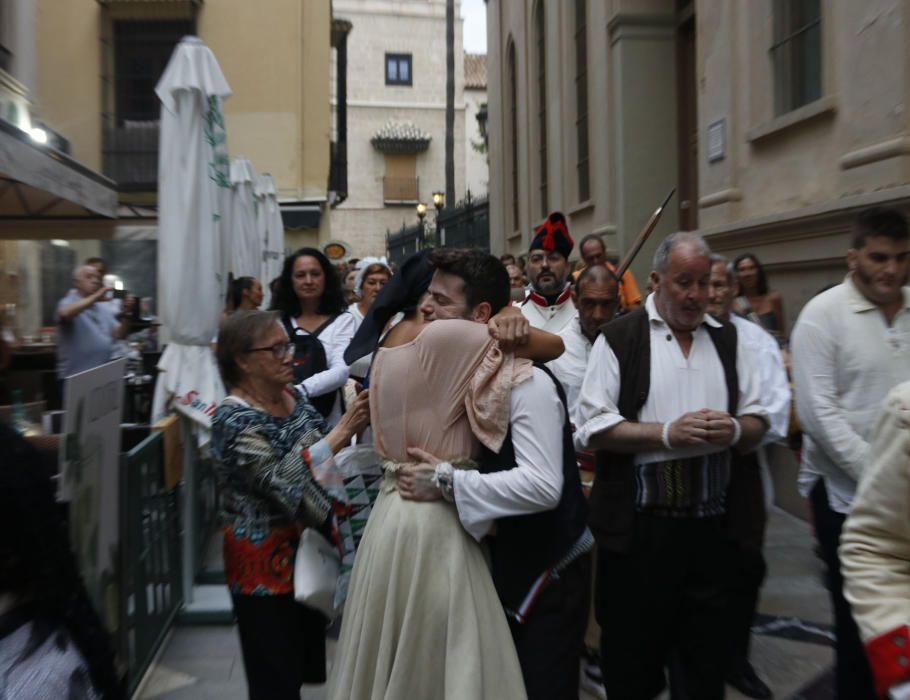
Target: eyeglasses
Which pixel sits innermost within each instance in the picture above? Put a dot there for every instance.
(279, 351)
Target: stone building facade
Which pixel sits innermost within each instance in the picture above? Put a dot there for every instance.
(396, 103)
(776, 120)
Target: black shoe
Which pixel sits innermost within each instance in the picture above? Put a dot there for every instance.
(747, 682)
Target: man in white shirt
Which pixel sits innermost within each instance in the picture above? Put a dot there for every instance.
(548, 305)
(850, 347)
(596, 296)
(668, 392)
(745, 497)
(526, 500)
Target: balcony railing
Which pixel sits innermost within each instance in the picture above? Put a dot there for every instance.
(400, 190)
(130, 155)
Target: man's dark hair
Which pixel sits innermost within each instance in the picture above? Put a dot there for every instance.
(597, 274)
(485, 278)
(879, 221)
(94, 260)
(587, 239)
(507, 259)
(286, 301)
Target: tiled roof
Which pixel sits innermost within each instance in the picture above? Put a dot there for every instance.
(475, 71)
(401, 137)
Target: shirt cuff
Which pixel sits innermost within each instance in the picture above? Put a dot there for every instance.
(320, 453)
(596, 425)
(473, 519)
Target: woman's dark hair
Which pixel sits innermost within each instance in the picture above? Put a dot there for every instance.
(285, 301)
(235, 291)
(762, 277)
(239, 333)
(38, 563)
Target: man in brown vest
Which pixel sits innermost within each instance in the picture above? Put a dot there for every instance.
(670, 396)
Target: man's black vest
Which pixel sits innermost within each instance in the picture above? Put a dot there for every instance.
(613, 496)
(527, 545)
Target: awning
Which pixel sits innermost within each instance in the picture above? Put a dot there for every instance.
(297, 218)
(39, 183)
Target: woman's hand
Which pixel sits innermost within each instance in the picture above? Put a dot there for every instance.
(510, 328)
(415, 484)
(354, 420)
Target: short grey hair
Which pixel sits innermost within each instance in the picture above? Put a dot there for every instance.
(662, 255)
(237, 336)
(718, 259)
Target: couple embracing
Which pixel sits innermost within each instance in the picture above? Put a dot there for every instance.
(472, 577)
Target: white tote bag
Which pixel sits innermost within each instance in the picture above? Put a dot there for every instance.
(316, 572)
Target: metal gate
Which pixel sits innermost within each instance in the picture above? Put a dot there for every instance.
(408, 240)
(466, 225)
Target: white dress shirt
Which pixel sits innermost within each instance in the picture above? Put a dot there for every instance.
(845, 361)
(535, 484)
(335, 339)
(552, 318)
(678, 385)
(775, 387)
(570, 367)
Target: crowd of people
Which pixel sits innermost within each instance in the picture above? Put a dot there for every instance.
(574, 474)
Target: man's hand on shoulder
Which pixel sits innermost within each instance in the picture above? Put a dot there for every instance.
(509, 328)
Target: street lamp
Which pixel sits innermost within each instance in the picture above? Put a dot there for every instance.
(422, 215)
(439, 200)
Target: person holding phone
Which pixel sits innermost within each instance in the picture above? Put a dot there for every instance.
(87, 328)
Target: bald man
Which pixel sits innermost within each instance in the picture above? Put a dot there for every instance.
(86, 327)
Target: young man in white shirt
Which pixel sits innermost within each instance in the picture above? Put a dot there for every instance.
(850, 346)
(670, 394)
(527, 498)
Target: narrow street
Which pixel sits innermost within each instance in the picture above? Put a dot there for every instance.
(791, 646)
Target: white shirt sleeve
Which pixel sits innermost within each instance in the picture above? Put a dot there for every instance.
(749, 378)
(817, 399)
(597, 408)
(335, 339)
(775, 391)
(535, 483)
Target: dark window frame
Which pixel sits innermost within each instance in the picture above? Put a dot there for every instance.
(583, 170)
(796, 54)
(541, 43)
(400, 59)
(513, 123)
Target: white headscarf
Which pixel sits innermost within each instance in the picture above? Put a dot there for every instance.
(361, 268)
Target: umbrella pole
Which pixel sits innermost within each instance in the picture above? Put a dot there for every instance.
(189, 510)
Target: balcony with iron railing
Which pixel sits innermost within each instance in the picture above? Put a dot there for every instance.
(400, 190)
(130, 155)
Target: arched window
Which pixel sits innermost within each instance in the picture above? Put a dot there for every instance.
(540, 43)
(581, 99)
(513, 130)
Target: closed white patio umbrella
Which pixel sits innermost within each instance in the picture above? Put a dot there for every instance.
(245, 239)
(193, 190)
(271, 227)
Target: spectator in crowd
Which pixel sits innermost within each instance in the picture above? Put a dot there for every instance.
(350, 297)
(594, 252)
(87, 327)
(369, 278)
(746, 511)
(549, 305)
(756, 299)
(875, 548)
(850, 346)
(517, 284)
(507, 259)
(52, 642)
(246, 294)
(314, 314)
(671, 397)
(272, 450)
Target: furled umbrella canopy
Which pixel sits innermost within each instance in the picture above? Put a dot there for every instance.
(193, 189)
(244, 238)
(271, 226)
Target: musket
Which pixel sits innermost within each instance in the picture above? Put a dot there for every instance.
(642, 237)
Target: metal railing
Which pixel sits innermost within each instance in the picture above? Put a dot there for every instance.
(466, 225)
(405, 242)
(130, 155)
(400, 190)
(151, 591)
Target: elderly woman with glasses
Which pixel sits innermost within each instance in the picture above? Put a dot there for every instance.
(274, 464)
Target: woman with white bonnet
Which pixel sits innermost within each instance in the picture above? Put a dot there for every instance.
(371, 276)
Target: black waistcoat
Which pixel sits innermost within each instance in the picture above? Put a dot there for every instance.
(527, 545)
(613, 496)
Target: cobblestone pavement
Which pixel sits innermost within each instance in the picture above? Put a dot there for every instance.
(791, 648)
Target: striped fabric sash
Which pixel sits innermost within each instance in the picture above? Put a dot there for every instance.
(695, 487)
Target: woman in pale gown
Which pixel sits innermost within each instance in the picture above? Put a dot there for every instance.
(422, 618)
